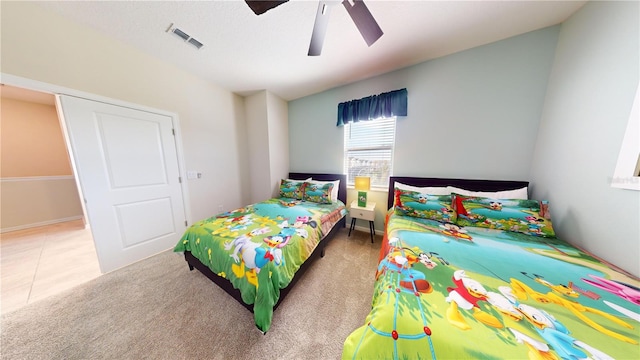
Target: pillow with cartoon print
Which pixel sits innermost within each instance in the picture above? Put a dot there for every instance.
(529, 217)
(292, 189)
(334, 192)
(426, 206)
(318, 193)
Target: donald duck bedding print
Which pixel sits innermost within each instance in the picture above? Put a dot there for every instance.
(260, 247)
(487, 291)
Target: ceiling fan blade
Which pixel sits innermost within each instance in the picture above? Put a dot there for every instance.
(319, 28)
(259, 7)
(364, 21)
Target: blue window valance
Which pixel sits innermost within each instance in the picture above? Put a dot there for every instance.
(393, 103)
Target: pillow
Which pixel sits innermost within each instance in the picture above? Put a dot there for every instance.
(307, 179)
(318, 193)
(334, 191)
(529, 217)
(431, 190)
(506, 194)
(293, 189)
(421, 205)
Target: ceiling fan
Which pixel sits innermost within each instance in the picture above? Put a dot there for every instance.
(360, 14)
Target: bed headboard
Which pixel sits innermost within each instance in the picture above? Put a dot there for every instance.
(342, 188)
(469, 184)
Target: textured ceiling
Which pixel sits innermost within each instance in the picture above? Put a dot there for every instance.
(245, 53)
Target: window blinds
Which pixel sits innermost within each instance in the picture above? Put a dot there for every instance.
(368, 150)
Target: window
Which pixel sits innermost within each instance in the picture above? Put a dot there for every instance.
(368, 150)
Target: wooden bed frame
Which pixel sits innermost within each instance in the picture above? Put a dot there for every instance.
(467, 184)
(227, 286)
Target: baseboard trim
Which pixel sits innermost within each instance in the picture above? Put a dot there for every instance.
(42, 223)
(366, 229)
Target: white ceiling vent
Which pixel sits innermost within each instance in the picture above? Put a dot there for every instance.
(184, 36)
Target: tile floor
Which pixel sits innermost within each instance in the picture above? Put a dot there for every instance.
(39, 262)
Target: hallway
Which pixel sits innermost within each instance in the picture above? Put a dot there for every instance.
(43, 261)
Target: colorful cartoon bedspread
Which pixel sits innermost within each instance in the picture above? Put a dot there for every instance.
(454, 293)
(260, 247)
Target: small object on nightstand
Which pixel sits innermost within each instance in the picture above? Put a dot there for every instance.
(366, 212)
(362, 184)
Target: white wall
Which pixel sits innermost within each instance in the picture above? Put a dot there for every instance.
(258, 145)
(473, 114)
(267, 142)
(589, 98)
(40, 45)
(278, 113)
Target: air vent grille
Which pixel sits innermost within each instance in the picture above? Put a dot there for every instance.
(181, 34)
(184, 36)
(195, 43)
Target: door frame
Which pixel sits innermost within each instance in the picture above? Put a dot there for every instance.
(57, 90)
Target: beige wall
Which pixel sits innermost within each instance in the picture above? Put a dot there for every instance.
(41, 45)
(38, 187)
(37, 201)
(31, 142)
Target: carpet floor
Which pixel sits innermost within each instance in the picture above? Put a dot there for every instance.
(158, 309)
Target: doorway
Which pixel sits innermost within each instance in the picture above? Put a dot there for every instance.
(43, 261)
(127, 163)
(140, 227)
(45, 244)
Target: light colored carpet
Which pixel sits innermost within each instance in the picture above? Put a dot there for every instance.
(158, 309)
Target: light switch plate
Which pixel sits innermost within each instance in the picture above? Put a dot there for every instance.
(192, 174)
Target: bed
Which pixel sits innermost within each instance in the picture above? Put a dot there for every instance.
(257, 253)
(475, 276)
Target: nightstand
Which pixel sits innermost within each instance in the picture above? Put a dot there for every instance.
(365, 213)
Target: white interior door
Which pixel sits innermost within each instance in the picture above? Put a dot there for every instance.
(127, 166)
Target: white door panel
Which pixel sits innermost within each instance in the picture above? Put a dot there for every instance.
(133, 151)
(128, 170)
(138, 227)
